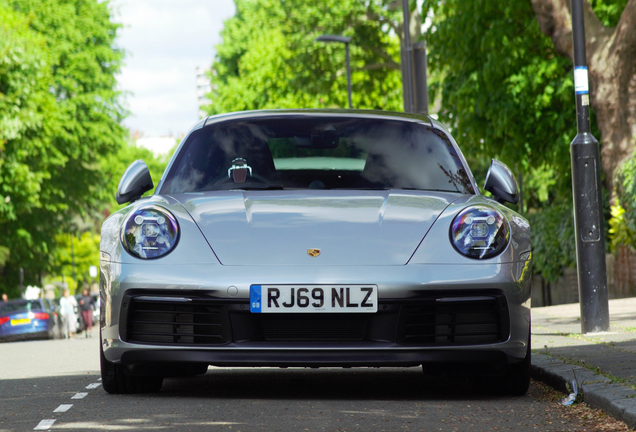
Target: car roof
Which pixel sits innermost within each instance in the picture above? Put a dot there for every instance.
(316, 112)
(23, 300)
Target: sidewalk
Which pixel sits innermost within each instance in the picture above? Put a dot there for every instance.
(604, 363)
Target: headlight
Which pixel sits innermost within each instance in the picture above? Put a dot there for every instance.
(150, 232)
(480, 232)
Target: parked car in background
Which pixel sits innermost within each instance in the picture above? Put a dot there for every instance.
(29, 319)
(315, 238)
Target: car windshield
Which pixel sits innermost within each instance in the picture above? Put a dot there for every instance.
(317, 152)
(20, 306)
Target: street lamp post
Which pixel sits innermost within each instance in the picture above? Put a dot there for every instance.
(586, 184)
(407, 69)
(345, 40)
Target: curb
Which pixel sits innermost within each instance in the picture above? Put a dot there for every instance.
(599, 392)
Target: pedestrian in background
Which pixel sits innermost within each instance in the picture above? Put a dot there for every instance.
(86, 309)
(67, 309)
(5, 297)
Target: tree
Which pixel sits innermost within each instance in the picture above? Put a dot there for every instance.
(505, 92)
(268, 57)
(76, 260)
(611, 57)
(27, 116)
(508, 93)
(60, 115)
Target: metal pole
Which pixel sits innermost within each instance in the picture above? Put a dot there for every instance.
(407, 77)
(421, 86)
(21, 282)
(345, 40)
(348, 75)
(73, 260)
(586, 183)
(520, 182)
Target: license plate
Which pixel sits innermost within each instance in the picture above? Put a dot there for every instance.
(313, 298)
(23, 321)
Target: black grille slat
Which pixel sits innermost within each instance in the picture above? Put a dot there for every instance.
(490, 321)
(173, 334)
(313, 328)
(177, 312)
(163, 322)
(454, 334)
(174, 323)
(455, 321)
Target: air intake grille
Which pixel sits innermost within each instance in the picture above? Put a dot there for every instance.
(313, 328)
(174, 321)
(456, 321)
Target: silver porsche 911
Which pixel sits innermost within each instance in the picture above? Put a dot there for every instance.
(315, 238)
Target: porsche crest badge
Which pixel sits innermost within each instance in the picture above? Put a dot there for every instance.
(313, 252)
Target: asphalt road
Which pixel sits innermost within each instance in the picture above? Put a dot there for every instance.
(38, 378)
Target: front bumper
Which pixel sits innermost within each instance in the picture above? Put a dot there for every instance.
(488, 320)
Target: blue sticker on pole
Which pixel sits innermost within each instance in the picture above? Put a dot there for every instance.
(255, 299)
(580, 80)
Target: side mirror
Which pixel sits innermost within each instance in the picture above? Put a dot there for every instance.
(135, 181)
(501, 183)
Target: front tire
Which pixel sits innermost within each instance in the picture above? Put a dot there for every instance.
(517, 379)
(115, 381)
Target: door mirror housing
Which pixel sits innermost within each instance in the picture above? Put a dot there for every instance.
(500, 181)
(135, 181)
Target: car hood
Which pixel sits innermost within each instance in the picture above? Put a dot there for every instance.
(348, 227)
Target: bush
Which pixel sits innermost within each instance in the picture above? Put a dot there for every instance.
(623, 220)
(553, 241)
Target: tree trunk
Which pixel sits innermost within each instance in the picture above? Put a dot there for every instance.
(611, 59)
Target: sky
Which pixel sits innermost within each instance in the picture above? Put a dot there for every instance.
(165, 41)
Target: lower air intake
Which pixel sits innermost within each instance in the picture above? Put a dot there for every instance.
(456, 321)
(174, 321)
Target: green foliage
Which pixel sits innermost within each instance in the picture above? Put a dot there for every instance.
(85, 253)
(505, 92)
(80, 38)
(553, 240)
(620, 232)
(608, 11)
(623, 221)
(269, 59)
(26, 107)
(59, 116)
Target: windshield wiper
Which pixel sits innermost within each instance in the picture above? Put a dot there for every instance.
(264, 187)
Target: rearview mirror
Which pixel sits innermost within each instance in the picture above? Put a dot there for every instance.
(135, 181)
(501, 183)
(328, 139)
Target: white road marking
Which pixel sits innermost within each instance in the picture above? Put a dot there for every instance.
(45, 424)
(48, 423)
(63, 408)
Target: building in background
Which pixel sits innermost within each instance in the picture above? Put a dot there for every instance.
(203, 88)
